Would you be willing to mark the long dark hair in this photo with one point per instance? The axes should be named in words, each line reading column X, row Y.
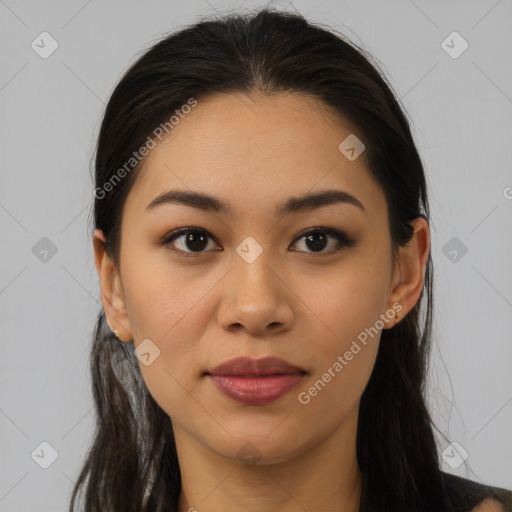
column 132, row 463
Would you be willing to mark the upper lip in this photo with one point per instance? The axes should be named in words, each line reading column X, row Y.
column 245, row 366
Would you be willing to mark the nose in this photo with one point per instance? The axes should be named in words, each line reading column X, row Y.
column 257, row 298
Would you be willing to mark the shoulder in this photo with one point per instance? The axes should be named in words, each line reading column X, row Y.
column 489, row 505
column 468, row 496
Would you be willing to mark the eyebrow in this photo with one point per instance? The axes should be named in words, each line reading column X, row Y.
column 307, row 202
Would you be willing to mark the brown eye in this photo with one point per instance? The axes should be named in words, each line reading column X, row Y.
column 318, row 239
column 190, row 240
column 194, row 241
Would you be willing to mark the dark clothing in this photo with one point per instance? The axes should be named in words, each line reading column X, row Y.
column 462, row 495
column 466, row 494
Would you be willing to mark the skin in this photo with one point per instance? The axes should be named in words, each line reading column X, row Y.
column 301, row 305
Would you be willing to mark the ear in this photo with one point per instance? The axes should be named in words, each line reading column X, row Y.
column 409, row 273
column 112, row 295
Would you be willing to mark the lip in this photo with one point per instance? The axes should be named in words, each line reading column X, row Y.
column 255, row 381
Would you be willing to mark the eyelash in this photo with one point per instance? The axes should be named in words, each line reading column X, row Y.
column 343, row 239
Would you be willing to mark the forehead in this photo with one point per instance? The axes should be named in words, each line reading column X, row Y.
column 253, row 151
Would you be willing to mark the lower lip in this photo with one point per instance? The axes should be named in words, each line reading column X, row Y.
column 256, row 390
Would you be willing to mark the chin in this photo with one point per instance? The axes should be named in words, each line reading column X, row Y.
column 255, row 449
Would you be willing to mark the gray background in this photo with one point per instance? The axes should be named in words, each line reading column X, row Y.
column 50, row 113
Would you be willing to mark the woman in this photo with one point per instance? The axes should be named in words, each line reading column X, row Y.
column 262, row 243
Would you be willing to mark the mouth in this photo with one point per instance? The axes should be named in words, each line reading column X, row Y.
column 255, row 381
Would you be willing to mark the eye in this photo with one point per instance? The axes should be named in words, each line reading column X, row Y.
column 317, row 239
column 192, row 241
column 189, row 238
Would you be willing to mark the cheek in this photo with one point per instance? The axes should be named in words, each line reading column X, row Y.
column 346, row 342
column 172, row 376
column 165, row 304
column 167, row 312
column 169, row 316
column 348, row 302
column 347, row 338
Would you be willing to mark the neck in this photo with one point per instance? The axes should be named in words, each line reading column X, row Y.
column 323, row 477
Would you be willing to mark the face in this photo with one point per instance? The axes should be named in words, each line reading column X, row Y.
column 303, row 285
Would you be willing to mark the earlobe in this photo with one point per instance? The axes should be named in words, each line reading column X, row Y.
column 112, row 296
